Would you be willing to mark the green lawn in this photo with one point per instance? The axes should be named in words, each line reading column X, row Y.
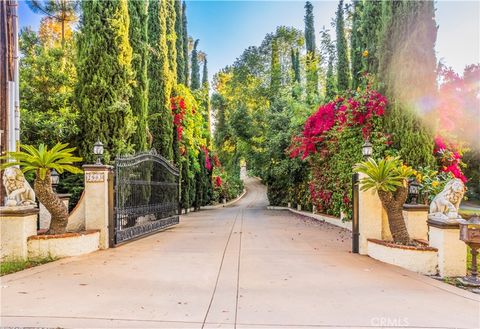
column 7, row 267
column 468, row 212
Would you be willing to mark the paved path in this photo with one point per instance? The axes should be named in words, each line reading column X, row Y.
column 237, row 267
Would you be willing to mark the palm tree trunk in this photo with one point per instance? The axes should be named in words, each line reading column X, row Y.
column 52, row 202
column 394, row 207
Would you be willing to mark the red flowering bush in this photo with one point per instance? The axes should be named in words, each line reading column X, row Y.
column 208, row 163
column 226, row 186
column 218, row 181
column 356, row 111
column 332, row 138
column 449, row 158
column 178, row 107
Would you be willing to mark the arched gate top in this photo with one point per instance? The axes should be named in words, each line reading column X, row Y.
column 152, row 155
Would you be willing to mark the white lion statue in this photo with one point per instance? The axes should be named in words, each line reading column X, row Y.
column 444, row 206
column 19, row 192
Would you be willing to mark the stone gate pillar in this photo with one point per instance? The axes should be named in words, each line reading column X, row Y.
column 98, row 198
column 452, row 252
column 370, row 211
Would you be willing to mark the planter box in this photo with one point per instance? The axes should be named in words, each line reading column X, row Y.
column 63, row 245
column 417, row 259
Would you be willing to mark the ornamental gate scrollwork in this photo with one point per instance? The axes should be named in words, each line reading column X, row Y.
column 146, row 195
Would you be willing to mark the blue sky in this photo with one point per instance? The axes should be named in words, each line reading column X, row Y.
column 226, row 28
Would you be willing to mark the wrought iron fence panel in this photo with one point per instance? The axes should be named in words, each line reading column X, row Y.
column 146, row 195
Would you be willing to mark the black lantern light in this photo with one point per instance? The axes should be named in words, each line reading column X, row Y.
column 54, row 180
column 367, row 149
column 98, row 151
column 413, row 191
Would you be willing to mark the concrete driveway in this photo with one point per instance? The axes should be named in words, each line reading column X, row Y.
column 237, row 267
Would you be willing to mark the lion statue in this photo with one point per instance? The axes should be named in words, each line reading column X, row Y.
column 19, row 192
column 444, row 206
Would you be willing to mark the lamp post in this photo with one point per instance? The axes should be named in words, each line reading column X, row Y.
column 367, row 149
column 470, row 234
column 98, row 151
column 413, row 190
column 54, row 180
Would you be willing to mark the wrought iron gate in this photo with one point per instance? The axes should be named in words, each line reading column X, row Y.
column 147, row 197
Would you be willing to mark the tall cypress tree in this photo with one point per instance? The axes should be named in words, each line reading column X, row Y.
column 185, row 182
column 410, row 136
column 330, row 89
column 295, row 59
column 171, row 38
column 139, row 42
column 410, row 58
column 206, row 96
column 356, row 44
column 275, row 70
column 160, row 81
column 195, row 77
column 407, row 58
column 179, row 43
column 309, row 28
column 343, row 75
column 311, row 59
column 371, row 26
column 221, row 128
column 186, row 70
column 205, row 73
column 328, row 50
column 385, row 43
column 105, row 78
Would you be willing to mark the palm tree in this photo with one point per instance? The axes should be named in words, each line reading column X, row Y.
column 42, row 161
column 388, row 177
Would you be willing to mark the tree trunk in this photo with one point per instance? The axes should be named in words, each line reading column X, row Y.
column 393, row 204
column 52, row 203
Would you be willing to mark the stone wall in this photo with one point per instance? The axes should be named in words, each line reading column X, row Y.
column 16, row 225
column 63, row 245
column 417, row 259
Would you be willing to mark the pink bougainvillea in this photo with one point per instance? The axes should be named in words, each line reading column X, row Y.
column 439, row 144
column 355, row 111
column 322, row 133
column 321, row 121
column 449, row 158
column 208, row 163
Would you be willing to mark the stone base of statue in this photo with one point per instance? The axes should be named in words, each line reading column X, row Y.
column 450, row 218
column 452, row 252
column 16, row 225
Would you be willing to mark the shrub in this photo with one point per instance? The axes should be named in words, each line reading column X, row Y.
column 332, row 140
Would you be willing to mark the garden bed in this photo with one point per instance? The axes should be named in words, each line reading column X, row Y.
column 63, row 245
column 420, row 258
